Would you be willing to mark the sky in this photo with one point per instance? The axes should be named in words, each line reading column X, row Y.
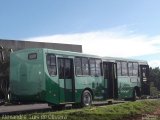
column 116, row 28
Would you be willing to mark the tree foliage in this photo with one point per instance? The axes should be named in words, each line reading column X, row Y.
column 4, row 72
column 155, row 77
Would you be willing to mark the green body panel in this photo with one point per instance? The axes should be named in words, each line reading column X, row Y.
column 98, row 88
column 65, row 88
column 126, row 85
column 52, row 89
column 95, row 84
column 81, row 82
column 61, row 91
column 78, row 94
column 27, row 78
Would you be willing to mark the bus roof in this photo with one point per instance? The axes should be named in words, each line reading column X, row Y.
column 113, row 59
column 58, row 52
column 71, row 53
column 61, row 52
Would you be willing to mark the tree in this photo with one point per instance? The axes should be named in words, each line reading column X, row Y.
column 4, row 72
column 155, row 77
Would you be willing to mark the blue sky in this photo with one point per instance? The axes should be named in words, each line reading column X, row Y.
column 121, row 28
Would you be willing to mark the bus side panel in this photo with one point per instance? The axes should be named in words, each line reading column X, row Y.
column 26, row 77
column 94, row 84
column 125, row 88
column 98, row 87
column 52, row 89
column 81, row 83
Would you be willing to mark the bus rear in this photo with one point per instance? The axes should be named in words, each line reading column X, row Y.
column 26, row 76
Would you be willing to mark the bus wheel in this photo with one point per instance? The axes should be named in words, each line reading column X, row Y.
column 86, row 99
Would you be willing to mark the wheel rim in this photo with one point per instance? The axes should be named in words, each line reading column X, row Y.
column 87, row 99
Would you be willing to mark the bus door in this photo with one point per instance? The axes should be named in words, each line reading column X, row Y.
column 144, row 76
column 110, row 80
column 66, row 79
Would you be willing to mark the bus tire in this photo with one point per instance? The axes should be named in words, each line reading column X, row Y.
column 86, row 99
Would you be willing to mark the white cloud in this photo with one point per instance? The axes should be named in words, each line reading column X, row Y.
column 154, row 63
column 115, row 43
column 106, row 43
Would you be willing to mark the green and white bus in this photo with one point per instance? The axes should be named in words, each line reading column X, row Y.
column 62, row 77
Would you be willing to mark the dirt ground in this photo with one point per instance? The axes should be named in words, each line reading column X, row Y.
column 149, row 116
column 157, row 112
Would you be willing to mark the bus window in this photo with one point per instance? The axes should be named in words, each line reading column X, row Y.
column 124, row 68
column 135, row 69
column 119, row 68
column 32, row 56
column 95, row 67
column 144, row 72
column 85, row 69
column 130, row 69
column 51, row 64
column 98, row 67
column 78, row 66
column 92, row 67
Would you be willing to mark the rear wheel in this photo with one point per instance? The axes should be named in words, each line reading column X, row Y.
column 86, row 99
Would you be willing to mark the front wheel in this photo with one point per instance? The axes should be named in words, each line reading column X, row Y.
column 86, row 99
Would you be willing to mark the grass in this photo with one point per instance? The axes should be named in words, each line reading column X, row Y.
column 110, row 112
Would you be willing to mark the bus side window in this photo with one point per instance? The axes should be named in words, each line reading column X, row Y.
column 95, row 67
column 92, row 67
column 51, row 64
column 144, row 72
column 78, row 66
column 85, row 69
column 119, row 68
column 130, row 69
column 124, row 68
column 98, row 67
column 135, row 69
column 81, row 66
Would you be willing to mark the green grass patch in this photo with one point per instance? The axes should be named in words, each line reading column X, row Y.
column 109, row 112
